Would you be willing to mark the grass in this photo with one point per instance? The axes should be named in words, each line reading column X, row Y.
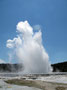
column 0, row 86
column 60, row 88
column 38, row 84
column 25, row 83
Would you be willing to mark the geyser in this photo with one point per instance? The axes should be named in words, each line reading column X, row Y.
column 29, row 50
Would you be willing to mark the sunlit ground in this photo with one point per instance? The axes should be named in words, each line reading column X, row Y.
column 15, row 81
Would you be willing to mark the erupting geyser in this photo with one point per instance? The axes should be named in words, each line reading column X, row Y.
column 29, row 50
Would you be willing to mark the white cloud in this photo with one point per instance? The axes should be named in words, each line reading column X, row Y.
column 2, row 61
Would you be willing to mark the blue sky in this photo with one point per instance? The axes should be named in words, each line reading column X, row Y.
column 50, row 14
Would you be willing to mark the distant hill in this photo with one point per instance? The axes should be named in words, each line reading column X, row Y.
column 61, row 67
column 10, row 67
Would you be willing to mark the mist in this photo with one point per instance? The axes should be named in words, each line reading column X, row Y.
column 28, row 49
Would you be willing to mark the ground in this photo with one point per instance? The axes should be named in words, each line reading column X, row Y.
column 33, row 82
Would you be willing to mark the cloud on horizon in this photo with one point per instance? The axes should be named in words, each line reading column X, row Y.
column 2, row 61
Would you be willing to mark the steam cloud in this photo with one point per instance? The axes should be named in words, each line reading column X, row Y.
column 29, row 50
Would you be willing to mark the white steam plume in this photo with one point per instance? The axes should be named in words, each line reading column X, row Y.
column 29, row 50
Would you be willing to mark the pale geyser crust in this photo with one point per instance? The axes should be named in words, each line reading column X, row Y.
column 29, row 50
